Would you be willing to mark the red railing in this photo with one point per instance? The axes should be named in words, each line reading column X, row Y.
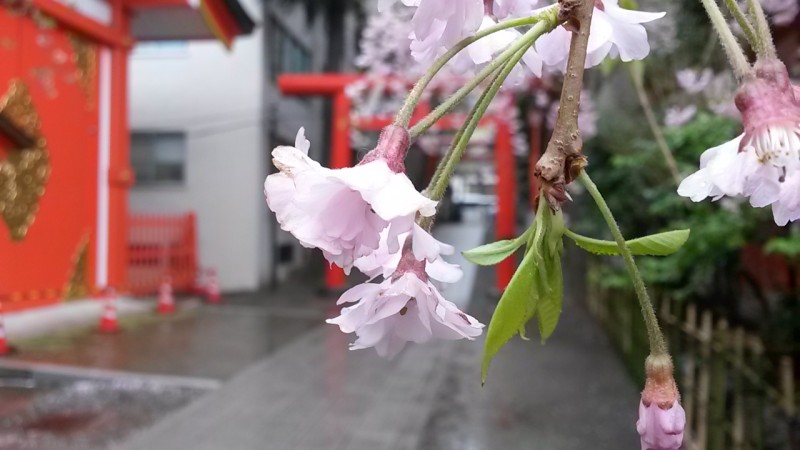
column 158, row 246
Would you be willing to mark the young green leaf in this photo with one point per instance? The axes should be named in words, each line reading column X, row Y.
column 549, row 310
column 661, row 244
column 493, row 253
column 516, row 305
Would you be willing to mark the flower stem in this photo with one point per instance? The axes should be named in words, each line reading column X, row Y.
column 657, row 344
column 548, row 20
column 658, row 133
column 403, row 117
column 744, row 22
column 447, row 166
column 736, row 57
column 765, row 47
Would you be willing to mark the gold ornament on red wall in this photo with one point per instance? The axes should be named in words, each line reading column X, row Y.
column 78, row 284
column 24, row 173
column 85, row 58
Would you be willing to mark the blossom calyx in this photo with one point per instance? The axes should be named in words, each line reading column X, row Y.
column 767, row 99
column 410, row 264
column 392, row 148
column 660, row 387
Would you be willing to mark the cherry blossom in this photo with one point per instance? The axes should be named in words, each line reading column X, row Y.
column 343, row 211
column 662, row 419
column 503, row 9
column 694, row 81
column 386, row 5
column 782, row 12
column 661, row 429
column 385, row 259
column 677, row 116
column 407, row 307
column 438, row 25
column 615, row 31
column 764, row 162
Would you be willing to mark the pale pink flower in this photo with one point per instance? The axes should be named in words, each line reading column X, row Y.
column 661, row 429
column 662, row 419
column 763, row 163
column 782, row 12
column 614, row 32
column 438, row 25
column 482, row 50
column 404, row 308
column 677, row 116
column 723, row 171
column 384, row 260
column 694, row 81
column 386, row 5
column 503, row 9
column 343, row 211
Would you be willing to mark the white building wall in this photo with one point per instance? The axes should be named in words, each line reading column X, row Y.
column 232, row 113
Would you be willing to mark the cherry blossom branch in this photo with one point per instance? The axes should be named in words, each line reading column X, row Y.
column 658, row 346
column 563, row 158
column 548, row 20
column 658, row 133
column 736, row 57
column 404, row 115
column 438, row 184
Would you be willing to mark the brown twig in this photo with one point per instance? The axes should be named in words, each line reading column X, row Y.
column 563, row 159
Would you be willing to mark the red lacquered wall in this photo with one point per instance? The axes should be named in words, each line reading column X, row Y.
column 63, row 85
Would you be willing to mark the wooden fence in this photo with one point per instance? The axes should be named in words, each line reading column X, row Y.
column 736, row 396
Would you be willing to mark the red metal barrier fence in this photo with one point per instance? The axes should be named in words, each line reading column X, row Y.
column 161, row 245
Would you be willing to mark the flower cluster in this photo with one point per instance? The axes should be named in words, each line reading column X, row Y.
column 764, row 162
column 615, row 31
column 437, row 26
column 364, row 217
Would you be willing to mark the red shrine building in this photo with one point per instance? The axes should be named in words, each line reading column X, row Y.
column 64, row 137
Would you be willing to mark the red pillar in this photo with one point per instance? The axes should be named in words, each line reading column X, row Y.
column 341, row 156
column 120, row 174
column 506, row 198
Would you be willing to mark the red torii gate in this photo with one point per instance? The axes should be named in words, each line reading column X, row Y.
column 333, row 85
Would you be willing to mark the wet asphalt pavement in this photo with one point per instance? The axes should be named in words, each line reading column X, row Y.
column 200, row 342
column 289, row 382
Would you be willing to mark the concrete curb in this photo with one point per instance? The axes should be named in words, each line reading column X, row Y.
column 74, row 314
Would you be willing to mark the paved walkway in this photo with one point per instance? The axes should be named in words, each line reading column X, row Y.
column 203, row 341
column 571, row 393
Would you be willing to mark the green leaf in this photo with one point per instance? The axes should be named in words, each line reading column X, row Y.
column 549, row 310
column 661, row 244
column 516, row 306
column 493, row 253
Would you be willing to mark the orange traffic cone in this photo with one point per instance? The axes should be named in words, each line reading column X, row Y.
column 212, row 287
column 166, row 303
column 4, row 348
column 108, row 321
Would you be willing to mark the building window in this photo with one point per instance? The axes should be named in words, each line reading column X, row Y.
column 158, row 158
column 286, row 53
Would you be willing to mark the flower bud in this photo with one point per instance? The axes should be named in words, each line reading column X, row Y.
column 662, row 420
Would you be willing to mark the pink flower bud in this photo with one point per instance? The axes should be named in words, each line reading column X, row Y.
column 662, row 420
